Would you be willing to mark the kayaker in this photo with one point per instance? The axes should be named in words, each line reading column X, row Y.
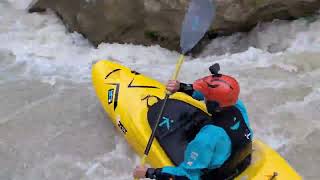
column 222, row 147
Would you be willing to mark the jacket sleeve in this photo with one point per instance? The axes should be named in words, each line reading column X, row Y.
column 209, row 149
column 159, row 175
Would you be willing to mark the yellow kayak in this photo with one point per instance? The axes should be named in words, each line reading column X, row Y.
column 127, row 95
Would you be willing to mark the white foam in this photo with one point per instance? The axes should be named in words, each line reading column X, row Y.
column 20, row 4
column 112, row 164
column 308, row 40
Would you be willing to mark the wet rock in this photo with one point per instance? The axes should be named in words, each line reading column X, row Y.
column 159, row 21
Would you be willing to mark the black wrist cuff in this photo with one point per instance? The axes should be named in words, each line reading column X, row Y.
column 185, row 87
column 152, row 173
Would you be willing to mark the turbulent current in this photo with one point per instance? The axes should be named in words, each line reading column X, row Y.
column 53, row 127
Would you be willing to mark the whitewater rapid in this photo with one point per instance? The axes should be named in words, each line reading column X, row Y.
column 52, row 125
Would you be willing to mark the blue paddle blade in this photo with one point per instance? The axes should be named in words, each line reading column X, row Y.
column 196, row 23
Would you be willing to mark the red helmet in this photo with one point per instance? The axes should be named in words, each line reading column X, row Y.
column 219, row 88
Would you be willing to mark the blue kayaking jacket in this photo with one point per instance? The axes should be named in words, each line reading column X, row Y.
column 209, row 149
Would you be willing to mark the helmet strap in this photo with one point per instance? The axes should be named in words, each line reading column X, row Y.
column 213, row 106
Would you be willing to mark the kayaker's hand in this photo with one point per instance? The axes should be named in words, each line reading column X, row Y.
column 140, row 172
column 173, row 86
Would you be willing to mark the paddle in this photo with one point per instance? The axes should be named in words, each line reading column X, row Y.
column 197, row 21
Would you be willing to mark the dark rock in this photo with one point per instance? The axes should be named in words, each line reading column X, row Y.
column 150, row 22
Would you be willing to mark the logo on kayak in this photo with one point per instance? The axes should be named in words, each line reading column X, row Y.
column 131, row 85
column 110, row 96
column 116, row 94
column 122, row 128
column 166, row 122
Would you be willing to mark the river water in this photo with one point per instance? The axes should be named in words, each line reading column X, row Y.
column 53, row 127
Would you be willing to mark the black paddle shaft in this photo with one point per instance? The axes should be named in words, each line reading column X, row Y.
column 163, row 107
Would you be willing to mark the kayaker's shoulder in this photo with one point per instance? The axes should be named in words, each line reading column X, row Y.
column 213, row 130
